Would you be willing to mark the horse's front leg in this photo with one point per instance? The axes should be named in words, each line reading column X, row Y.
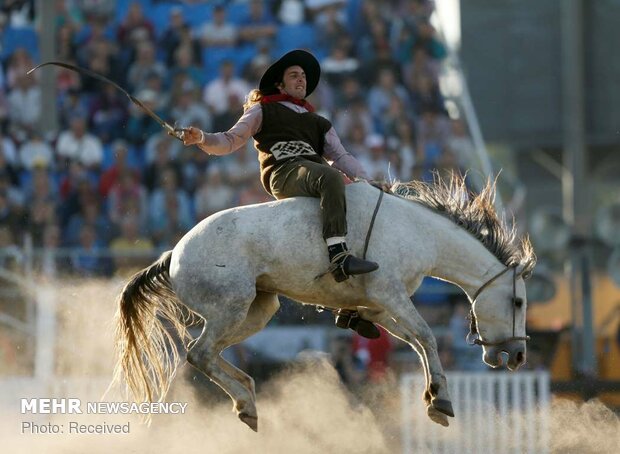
column 402, row 319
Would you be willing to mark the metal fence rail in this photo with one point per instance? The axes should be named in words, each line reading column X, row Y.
column 499, row 412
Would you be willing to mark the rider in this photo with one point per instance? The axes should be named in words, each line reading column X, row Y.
column 293, row 144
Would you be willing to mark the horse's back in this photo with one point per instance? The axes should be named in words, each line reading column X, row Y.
column 275, row 244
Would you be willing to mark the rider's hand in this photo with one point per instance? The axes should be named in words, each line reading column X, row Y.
column 192, row 136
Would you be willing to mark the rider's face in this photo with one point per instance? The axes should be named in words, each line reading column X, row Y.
column 294, row 82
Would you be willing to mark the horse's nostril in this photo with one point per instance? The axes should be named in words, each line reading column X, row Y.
column 519, row 357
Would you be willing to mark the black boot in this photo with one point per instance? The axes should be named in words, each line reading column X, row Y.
column 345, row 264
column 351, row 319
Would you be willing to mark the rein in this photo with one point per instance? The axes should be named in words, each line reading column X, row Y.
column 368, row 233
column 372, row 223
column 516, row 303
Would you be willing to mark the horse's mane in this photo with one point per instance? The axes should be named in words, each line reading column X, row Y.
column 474, row 212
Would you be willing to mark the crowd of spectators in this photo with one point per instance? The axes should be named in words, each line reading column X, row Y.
column 111, row 180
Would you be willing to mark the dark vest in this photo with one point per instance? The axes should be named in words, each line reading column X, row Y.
column 286, row 134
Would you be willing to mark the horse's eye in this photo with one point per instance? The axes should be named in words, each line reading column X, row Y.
column 518, row 302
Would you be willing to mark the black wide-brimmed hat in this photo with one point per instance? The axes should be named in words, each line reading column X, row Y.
column 298, row 57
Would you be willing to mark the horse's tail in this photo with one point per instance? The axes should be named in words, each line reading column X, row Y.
column 147, row 352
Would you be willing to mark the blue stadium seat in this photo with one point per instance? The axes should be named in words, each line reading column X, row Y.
column 212, row 57
column 237, row 12
column 291, row 37
column 24, row 37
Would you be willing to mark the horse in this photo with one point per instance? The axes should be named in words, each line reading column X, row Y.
column 228, row 271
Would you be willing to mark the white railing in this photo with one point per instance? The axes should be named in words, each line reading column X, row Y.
column 498, row 412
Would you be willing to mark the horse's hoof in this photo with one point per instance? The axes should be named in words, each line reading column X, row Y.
column 437, row 416
column 444, row 406
column 251, row 421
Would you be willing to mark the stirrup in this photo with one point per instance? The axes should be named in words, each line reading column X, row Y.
column 337, row 266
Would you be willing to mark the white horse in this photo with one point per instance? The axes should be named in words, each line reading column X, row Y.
column 230, row 268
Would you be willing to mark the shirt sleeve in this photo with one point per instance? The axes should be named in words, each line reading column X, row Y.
column 221, row 143
column 340, row 158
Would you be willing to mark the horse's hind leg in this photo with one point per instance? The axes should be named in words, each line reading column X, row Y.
column 224, row 317
column 264, row 306
column 223, row 330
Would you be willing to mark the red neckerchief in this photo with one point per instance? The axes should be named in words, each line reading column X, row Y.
column 286, row 97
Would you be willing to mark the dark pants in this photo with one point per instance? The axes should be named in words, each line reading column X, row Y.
column 299, row 177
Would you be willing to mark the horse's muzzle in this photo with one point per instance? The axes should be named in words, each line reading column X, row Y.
column 515, row 351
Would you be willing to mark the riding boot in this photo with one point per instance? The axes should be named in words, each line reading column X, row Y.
column 351, row 319
column 344, row 264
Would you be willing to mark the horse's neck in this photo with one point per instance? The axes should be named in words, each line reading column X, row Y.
column 462, row 259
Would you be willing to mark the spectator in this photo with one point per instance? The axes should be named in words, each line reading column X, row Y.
column 354, row 108
column 20, row 62
column 24, row 103
column 258, row 64
column 141, row 126
column 330, row 23
column 169, row 229
column 10, row 255
column 347, row 365
column 36, row 152
column 427, row 39
column 163, row 222
column 40, row 187
column 290, row 12
column 108, row 114
column 376, row 160
column 425, row 95
column 213, row 195
column 187, row 111
column 89, row 214
column 460, row 143
column 421, row 65
column 134, row 28
column 77, row 144
column 339, row 65
column 72, row 104
column 218, row 32
column 381, row 93
column 374, row 354
column 259, row 27
column 88, row 259
column 224, row 94
column 131, row 249
column 164, row 156
column 241, row 168
column 10, row 218
column 120, row 150
column 433, row 134
column 145, row 65
column 41, row 214
column 127, row 198
column 184, row 69
column 404, row 142
column 171, row 38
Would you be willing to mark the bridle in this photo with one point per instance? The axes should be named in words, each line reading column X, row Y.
column 516, row 303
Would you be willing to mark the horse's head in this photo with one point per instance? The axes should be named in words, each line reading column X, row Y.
column 498, row 318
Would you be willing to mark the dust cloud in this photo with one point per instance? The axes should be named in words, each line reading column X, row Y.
column 303, row 409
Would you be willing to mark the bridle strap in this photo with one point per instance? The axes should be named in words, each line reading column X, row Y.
column 473, row 326
column 490, row 281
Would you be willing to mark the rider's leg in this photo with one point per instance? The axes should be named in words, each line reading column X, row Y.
column 307, row 178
